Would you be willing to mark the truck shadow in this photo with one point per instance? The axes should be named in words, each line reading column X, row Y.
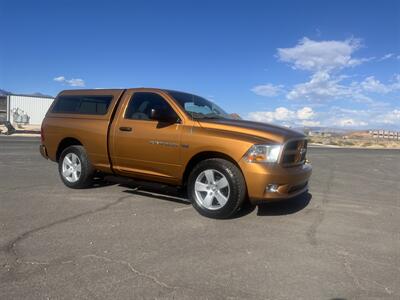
column 154, row 193
column 99, row 182
column 278, row 208
column 174, row 194
column 284, row 207
column 154, row 190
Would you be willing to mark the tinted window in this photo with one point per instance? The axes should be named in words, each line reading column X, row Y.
column 141, row 104
column 88, row 105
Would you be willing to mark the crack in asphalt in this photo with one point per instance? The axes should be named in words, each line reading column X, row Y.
column 356, row 279
column 10, row 248
column 312, row 231
column 349, row 271
column 132, row 268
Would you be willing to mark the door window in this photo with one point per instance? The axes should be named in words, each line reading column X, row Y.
column 141, row 104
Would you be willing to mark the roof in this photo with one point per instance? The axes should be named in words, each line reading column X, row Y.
column 122, row 89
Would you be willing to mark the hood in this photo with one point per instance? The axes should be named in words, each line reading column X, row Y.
column 274, row 133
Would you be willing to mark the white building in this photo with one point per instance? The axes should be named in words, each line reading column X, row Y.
column 385, row 134
column 26, row 109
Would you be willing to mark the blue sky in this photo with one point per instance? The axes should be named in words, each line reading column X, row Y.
column 313, row 63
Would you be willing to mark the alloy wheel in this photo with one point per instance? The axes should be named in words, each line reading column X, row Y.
column 212, row 189
column 71, row 167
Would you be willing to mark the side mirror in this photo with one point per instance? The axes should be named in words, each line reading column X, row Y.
column 161, row 116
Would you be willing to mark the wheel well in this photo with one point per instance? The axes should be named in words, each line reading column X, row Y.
column 202, row 156
column 65, row 143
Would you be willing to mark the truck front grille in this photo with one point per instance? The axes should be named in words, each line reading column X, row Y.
column 294, row 153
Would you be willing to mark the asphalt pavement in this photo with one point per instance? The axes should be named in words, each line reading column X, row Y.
column 124, row 240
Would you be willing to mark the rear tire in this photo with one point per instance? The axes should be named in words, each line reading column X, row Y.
column 216, row 188
column 74, row 167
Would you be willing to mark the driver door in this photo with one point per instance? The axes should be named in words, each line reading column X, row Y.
column 142, row 146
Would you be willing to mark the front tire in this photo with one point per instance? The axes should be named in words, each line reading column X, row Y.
column 216, row 188
column 74, row 167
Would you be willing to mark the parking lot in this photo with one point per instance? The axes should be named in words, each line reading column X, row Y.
column 129, row 241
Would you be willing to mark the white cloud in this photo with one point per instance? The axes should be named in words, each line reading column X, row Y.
column 326, row 61
column 267, row 90
column 285, row 116
column 279, row 114
column 350, row 123
column 324, row 87
column 378, row 117
column 321, row 55
column 320, row 87
column 59, row 79
column 370, row 84
column 76, row 82
column 305, row 113
column 396, row 82
column 392, row 117
column 386, row 56
column 382, row 117
column 344, row 117
column 308, row 123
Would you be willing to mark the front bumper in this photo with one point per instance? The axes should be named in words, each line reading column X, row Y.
column 290, row 181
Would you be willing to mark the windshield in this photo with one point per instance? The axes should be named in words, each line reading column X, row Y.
column 198, row 107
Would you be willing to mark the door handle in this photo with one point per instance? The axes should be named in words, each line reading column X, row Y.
column 125, row 128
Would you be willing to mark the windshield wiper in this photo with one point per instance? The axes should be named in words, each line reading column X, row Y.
column 207, row 116
column 200, row 116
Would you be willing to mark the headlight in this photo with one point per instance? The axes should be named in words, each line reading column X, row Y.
column 263, row 153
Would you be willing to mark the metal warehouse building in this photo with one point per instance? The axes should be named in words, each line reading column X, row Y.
column 24, row 109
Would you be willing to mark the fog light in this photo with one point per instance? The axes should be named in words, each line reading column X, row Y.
column 272, row 188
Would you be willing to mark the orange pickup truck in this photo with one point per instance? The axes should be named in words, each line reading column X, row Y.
column 175, row 138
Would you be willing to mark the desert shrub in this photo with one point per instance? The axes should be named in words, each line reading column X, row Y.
column 368, row 144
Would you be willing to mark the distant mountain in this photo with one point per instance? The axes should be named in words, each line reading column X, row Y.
column 40, row 94
column 329, row 129
column 4, row 92
column 332, row 130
